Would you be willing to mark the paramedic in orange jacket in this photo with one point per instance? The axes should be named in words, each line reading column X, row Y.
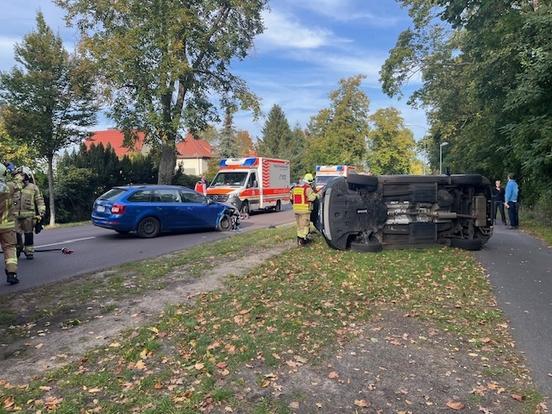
column 302, row 197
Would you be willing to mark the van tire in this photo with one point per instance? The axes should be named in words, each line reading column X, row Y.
column 148, row 228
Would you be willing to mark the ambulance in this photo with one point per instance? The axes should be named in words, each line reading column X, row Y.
column 252, row 183
column 324, row 173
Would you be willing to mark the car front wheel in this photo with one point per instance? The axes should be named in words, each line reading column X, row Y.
column 148, row 228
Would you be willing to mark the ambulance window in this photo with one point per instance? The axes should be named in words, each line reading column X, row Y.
column 252, row 183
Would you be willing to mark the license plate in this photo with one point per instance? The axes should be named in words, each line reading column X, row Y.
column 100, row 209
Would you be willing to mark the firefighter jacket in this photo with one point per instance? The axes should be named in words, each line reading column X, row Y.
column 7, row 192
column 28, row 201
column 302, row 197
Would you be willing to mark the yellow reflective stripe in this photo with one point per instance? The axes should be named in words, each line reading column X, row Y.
column 11, row 261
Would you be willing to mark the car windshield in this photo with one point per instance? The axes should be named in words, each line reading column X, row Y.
column 324, row 179
column 112, row 194
column 229, row 179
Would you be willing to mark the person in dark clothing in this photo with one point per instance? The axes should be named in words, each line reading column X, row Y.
column 498, row 201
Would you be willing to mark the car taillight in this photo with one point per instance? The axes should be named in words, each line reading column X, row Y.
column 117, row 209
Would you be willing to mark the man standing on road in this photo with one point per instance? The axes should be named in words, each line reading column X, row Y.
column 302, row 197
column 29, row 206
column 498, row 201
column 511, row 201
column 7, row 226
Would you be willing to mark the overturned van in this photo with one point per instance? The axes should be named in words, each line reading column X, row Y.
column 368, row 213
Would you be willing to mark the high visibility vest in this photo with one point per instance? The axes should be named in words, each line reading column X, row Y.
column 301, row 203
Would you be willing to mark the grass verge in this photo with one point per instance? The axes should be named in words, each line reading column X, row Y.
column 535, row 225
column 296, row 307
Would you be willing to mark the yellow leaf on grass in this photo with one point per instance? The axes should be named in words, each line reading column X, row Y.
column 199, row 366
column 140, row 365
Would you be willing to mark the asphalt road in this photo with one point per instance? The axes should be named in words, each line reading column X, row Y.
column 520, row 269
column 96, row 249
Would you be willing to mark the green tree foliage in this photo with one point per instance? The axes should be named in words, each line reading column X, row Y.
column 337, row 135
column 391, row 144
column 486, row 68
column 228, row 146
column 276, row 135
column 13, row 151
column 49, row 97
column 162, row 61
column 296, row 153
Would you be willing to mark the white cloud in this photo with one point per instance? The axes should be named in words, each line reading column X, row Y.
column 347, row 10
column 285, row 31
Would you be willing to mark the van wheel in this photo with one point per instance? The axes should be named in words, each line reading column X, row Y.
column 278, row 206
column 148, row 228
column 245, row 208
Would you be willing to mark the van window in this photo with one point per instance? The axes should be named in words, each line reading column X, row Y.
column 252, row 182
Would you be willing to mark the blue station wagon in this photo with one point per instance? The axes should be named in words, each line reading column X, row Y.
column 153, row 209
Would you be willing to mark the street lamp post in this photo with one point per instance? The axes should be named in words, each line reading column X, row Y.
column 443, row 144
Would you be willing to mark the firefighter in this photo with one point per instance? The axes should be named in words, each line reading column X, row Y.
column 29, row 207
column 7, row 226
column 302, row 197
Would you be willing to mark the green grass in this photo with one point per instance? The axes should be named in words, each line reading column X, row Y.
column 536, row 225
column 296, row 304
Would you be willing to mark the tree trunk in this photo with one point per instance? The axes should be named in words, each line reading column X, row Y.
column 167, row 162
column 51, row 189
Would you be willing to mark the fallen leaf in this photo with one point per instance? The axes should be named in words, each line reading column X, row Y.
column 362, row 403
column 199, row 366
column 8, row 403
column 294, row 405
column 518, row 397
column 140, row 365
column 333, row 375
column 44, row 388
column 222, row 365
column 455, row 405
column 114, row 345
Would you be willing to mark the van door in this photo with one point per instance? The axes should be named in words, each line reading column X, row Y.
column 252, row 191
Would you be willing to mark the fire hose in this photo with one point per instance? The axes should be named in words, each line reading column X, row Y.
column 63, row 250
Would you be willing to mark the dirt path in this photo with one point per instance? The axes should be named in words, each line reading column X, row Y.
column 32, row 357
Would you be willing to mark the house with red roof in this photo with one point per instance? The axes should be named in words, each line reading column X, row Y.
column 192, row 154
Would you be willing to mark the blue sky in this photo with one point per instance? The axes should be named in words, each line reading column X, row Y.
column 308, row 45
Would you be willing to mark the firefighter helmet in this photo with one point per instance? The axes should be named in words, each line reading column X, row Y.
column 308, row 178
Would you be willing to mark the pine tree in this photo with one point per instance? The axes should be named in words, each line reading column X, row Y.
column 276, row 135
column 228, row 144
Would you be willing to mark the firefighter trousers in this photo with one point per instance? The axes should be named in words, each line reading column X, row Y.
column 24, row 228
column 303, row 224
column 8, row 242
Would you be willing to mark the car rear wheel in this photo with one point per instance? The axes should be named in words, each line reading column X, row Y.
column 148, row 228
